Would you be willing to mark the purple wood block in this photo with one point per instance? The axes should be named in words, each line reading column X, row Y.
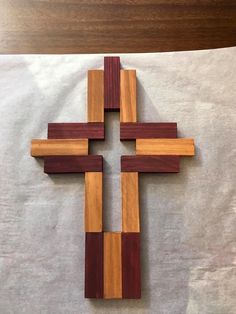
column 150, row 163
column 133, row 130
column 112, row 83
column 131, row 277
column 90, row 130
column 94, row 265
column 73, row 164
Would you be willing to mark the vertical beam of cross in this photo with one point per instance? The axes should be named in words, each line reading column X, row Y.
column 112, row 259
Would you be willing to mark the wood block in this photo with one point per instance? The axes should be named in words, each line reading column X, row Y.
column 179, row 146
column 90, row 130
column 73, row 164
column 94, row 265
column 131, row 278
column 130, row 202
column 41, row 148
column 128, row 110
column 93, row 201
column 112, row 265
column 131, row 131
column 150, row 163
column 95, row 99
column 112, row 83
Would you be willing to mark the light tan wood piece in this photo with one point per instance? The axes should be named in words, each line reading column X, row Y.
column 95, row 96
column 93, row 201
column 130, row 202
column 41, row 148
column 128, row 110
column 112, row 265
column 179, row 146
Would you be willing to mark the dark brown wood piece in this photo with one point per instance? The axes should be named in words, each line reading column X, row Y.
column 73, row 164
column 94, row 265
column 90, row 130
column 131, row 131
column 152, row 163
column 131, row 277
column 112, row 83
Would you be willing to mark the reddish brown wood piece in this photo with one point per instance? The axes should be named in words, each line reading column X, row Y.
column 131, row 277
column 131, row 131
column 90, row 130
column 112, row 83
column 73, row 164
column 94, row 265
column 150, row 163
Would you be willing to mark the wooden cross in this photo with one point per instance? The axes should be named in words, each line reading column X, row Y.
column 112, row 259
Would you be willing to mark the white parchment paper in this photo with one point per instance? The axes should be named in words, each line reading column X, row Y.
column 188, row 219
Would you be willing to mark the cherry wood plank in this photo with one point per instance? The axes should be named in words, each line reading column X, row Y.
column 73, row 164
column 131, row 131
column 95, row 96
column 90, row 130
column 131, row 277
column 128, row 104
column 150, row 163
column 65, row 147
column 112, row 265
column 112, row 83
column 94, row 265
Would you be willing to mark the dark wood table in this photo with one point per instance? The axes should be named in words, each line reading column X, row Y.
column 99, row 26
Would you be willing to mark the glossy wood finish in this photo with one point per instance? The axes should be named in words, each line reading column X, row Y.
column 91, row 130
column 95, row 96
column 112, row 83
column 131, row 131
column 41, row 148
column 112, row 265
column 151, row 164
column 128, row 106
column 93, row 201
column 131, row 277
column 95, row 26
column 180, row 146
column 73, row 164
column 94, row 265
column 130, row 202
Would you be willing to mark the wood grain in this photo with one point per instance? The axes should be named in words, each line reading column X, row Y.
column 112, row 265
column 73, row 164
column 94, row 26
column 151, row 164
column 93, row 201
column 130, row 202
column 131, row 268
column 128, row 106
column 94, row 265
column 112, row 83
column 180, row 146
column 131, row 131
column 41, row 148
column 95, row 101
column 90, row 130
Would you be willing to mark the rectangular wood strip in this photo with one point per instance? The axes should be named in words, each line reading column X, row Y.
column 94, row 265
column 73, row 164
column 112, row 83
column 41, row 148
column 112, row 265
column 131, row 277
column 90, row 130
column 95, row 98
column 180, row 146
column 131, row 131
column 93, row 201
column 128, row 110
column 130, row 202
column 150, row 163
